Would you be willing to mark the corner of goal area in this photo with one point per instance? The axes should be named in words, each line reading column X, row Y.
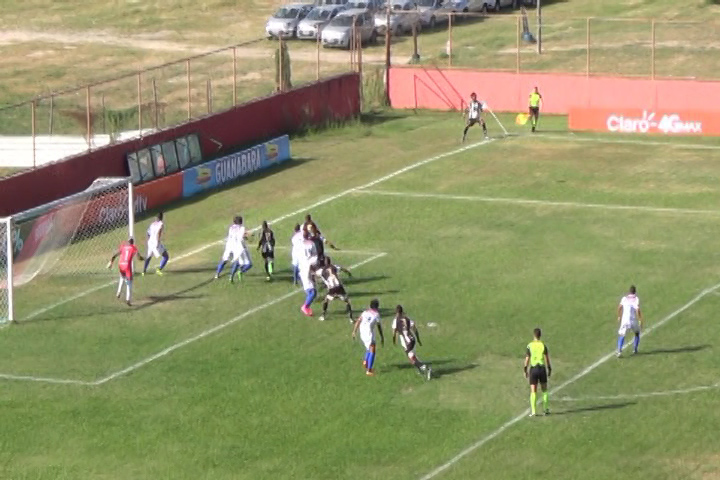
column 352, row 259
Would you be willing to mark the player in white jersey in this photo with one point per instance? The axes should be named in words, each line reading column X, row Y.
column 296, row 242
column 155, row 248
column 366, row 324
column 404, row 328
column 235, row 249
column 330, row 275
column 475, row 115
column 630, row 318
column 307, row 262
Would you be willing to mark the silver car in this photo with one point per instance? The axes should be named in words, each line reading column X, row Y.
column 403, row 16
column 284, row 22
column 433, row 12
column 365, row 5
column 310, row 27
column 339, row 32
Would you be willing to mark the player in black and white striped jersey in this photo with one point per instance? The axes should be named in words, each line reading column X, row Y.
column 330, row 275
column 406, row 329
column 475, row 115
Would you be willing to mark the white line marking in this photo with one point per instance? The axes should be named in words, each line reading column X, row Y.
column 547, row 203
column 576, row 138
column 174, row 347
column 212, row 330
column 30, row 378
column 570, row 381
column 279, row 219
column 630, row 396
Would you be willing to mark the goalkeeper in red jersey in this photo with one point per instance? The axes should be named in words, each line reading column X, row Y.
column 126, row 252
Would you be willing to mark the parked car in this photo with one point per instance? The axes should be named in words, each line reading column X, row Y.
column 285, row 20
column 320, row 3
column 432, row 12
column 471, row 6
column 313, row 24
column 403, row 15
column 499, row 4
column 365, row 5
column 339, row 32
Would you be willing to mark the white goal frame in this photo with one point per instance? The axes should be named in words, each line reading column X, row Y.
column 8, row 224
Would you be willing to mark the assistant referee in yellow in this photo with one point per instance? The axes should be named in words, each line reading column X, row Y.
column 537, row 369
column 534, row 103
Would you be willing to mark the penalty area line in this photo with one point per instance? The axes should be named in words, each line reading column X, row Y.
column 475, row 446
column 544, row 203
column 215, row 329
column 299, row 211
column 632, row 396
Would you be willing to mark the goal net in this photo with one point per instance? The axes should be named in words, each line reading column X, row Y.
column 60, row 249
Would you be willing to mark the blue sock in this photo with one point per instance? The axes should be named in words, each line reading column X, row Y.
column 310, row 296
column 245, row 268
column 221, row 265
column 147, row 262
column 234, row 270
column 164, row 260
column 621, row 341
column 636, row 341
column 371, row 360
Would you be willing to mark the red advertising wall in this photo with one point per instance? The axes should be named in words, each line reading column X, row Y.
column 446, row 89
column 332, row 99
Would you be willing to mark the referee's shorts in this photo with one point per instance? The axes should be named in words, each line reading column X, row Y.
column 538, row 374
column 534, row 111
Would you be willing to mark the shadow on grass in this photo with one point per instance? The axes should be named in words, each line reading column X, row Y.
column 407, row 365
column 358, row 280
column 153, row 300
column 686, row 349
column 595, row 408
column 451, row 370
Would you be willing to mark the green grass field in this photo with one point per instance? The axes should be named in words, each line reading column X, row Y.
column 203, row 379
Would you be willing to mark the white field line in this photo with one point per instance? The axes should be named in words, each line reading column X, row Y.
column 546, row 203
column 576, row 138
column 30, row 378
column 470, row 449
column 278, row 219
column 631, row 396
column 172, row 348
column 210, row 331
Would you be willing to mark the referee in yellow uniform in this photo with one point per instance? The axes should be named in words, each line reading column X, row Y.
column 534, row 103
column 537, row 359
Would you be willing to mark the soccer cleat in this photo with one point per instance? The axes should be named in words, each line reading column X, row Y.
column 547, row 411
column 216, row 277
column 306, row 310
column 128, row 303
column 322, row 318
column 159, row 272
column 532, row 415
column 428, row 372
column 268, row 278
column 142, row 274
column 352, row 322
column 370, row 373
column 618, row 354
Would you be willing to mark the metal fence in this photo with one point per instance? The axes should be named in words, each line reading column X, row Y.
column 72, row 121
column 76, row 120
column 589, row 46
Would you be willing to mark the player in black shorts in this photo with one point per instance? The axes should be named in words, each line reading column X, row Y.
column 330, row 275
column 267, row 248
column 474, row 116
column 537, row 369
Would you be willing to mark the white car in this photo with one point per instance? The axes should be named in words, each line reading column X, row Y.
column 313, row 24
column 284, row 22
column 497, row 5
column 433, row 12
column 339, row 32
column 402, row 18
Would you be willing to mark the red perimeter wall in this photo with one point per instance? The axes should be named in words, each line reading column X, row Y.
column 447, row 89
column 332, row 99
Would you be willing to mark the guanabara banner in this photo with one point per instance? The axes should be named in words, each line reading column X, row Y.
column 230, row 168
column 658, row 122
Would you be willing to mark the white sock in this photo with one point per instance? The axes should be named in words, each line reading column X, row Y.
column 120, row 285
column 128, row 290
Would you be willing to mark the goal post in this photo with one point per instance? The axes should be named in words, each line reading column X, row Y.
column 6, row 272
column 59, row 250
